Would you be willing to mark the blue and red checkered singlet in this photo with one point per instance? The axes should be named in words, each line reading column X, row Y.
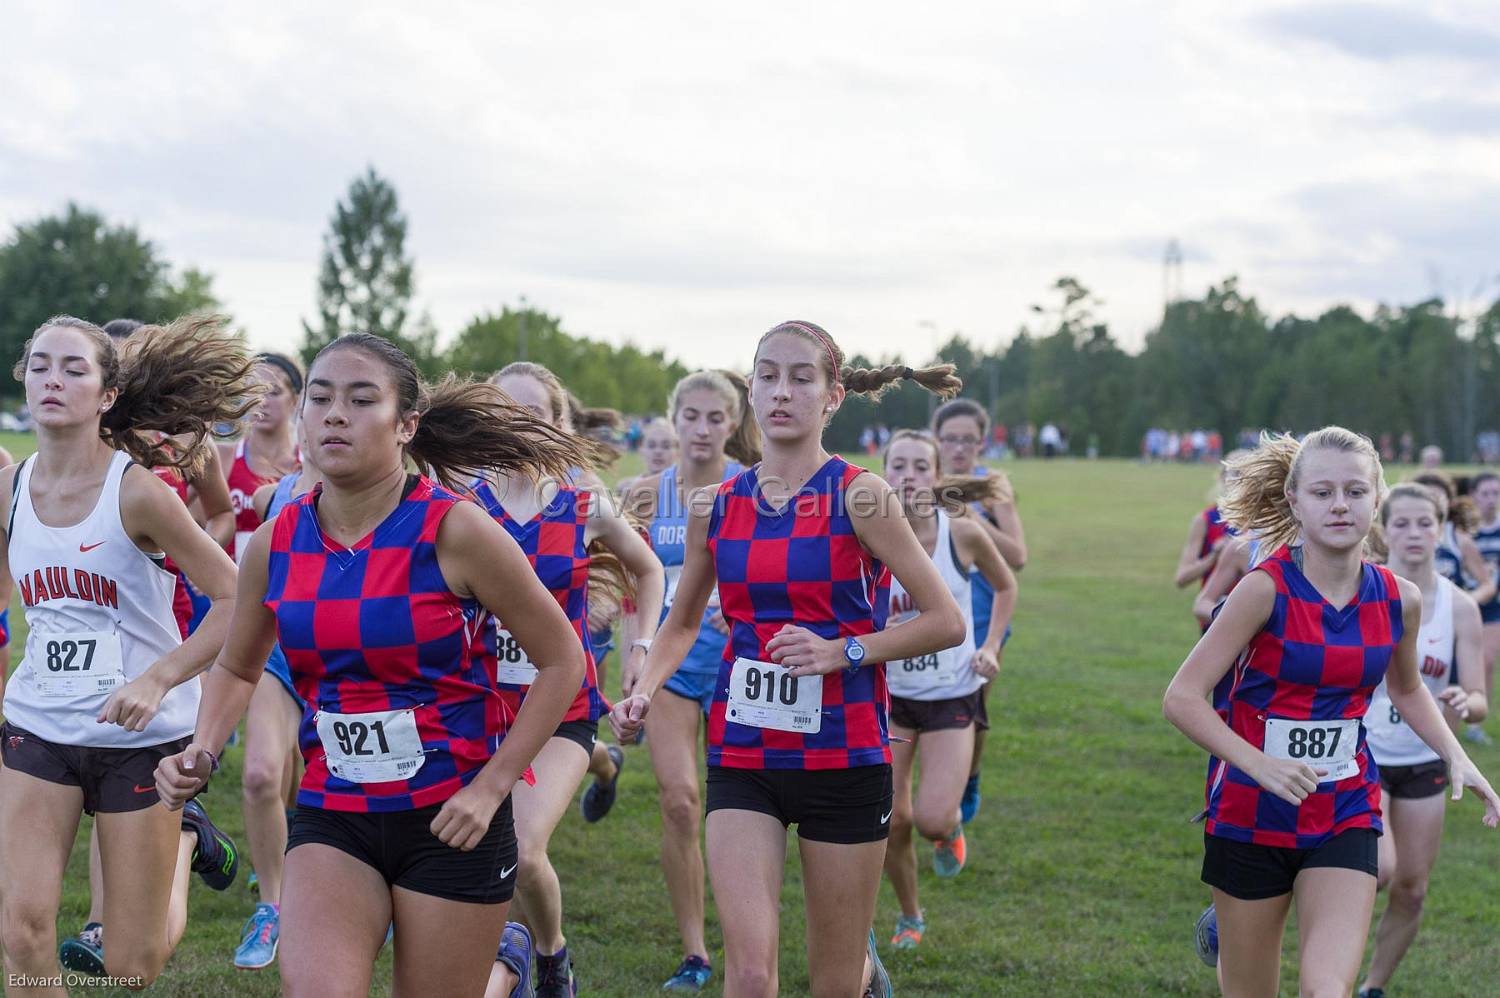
column 803, row 565
column 554, row 543
column 1311, row 662
column 1214, row 527
column 374, row 627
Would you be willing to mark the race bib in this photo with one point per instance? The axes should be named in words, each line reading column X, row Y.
column 1329, row 745
column 377, row 747
column 765, row 695
column 924, row 672
column 512, row 664
column 76, row 663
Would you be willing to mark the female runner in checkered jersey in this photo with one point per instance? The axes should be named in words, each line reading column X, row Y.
column 378, row 586
column 1294, row 794
column 798, row 546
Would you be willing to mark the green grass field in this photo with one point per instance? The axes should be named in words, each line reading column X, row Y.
column 1083, row 870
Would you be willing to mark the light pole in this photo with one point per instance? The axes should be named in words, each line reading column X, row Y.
column 521, row 347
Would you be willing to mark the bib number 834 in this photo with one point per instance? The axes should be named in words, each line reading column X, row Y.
column 762, row 685
column 62, row 656
column 354, row 736
column 1312, row 743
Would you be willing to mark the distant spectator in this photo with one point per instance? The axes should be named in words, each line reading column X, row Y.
column 1432, row 457
column 1408, row 448
column 1050, row 440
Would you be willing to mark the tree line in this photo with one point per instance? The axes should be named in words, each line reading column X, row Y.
column 1218, row 362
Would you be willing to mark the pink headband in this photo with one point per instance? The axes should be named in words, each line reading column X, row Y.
column 821, row 338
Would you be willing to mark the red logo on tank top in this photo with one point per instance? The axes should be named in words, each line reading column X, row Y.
column 902, row 603
column 58, row 583
column 1434, row 666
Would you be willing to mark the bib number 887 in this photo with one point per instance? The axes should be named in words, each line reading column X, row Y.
column 762, row 685
column 62, row 655
column 510, row 650
column 1312, row 743
column 353, row 737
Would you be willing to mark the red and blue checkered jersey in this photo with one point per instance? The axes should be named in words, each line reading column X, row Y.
column 1311, row 662
column 799, row 565
column 554, row 543
column 374, row 627
column 1214, row 528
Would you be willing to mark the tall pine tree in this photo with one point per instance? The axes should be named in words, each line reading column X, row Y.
column 365, row 284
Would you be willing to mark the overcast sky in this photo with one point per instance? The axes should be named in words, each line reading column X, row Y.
column 684, row 175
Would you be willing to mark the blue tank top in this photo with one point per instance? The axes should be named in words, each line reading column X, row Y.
column 282, row 495
column 983, row 592
column 669, row 540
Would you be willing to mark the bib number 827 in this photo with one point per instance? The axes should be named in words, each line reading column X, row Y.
column 354, row 737
column 761, row 685
column 62, row 656
column 1312, row 743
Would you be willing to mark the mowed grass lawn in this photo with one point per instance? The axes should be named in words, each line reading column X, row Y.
column 1083, row 869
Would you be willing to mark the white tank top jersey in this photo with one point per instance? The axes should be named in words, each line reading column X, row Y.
column 948, row 674
column 1391, row 739
column 99, row 614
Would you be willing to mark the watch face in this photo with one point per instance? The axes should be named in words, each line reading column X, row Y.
column 854, row 651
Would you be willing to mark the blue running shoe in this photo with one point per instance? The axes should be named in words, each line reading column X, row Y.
column 554, row 976
column 515, row 953
column 215, row 858
column 909, row 931
column 600, row 797
column 969, row 806
column 259, row 938
column 84, row 953
column 692, row 973
column 880, row 981
column 1206, row 938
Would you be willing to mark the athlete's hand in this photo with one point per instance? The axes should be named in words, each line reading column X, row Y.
column 1461, row 773
column 466, row 816
column 632, row 669
column 1292, row 781
column 628, row 717
column 1457, row 699
column 133, row 705
column 719, row 623
column 804, row 653
column 180, row 777
column 986, row 663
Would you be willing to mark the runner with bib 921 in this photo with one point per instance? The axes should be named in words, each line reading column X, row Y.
column 798, row 731
column 1294, row 792
column 378, row 585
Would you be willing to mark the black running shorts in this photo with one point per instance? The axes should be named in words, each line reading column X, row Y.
column 113, row 780
column 1252, row 872
column 400, row 846
column 827, row 805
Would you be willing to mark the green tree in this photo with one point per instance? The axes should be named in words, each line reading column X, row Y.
column 365, row 283
column 76, row 263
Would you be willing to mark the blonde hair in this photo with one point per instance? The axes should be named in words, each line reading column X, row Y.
column 743, row 444
column 1255, row 496
column 940, row 379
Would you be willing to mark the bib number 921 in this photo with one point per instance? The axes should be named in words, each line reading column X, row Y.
column 354, row 738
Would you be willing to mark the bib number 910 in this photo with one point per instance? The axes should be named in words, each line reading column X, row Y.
column 765, row 695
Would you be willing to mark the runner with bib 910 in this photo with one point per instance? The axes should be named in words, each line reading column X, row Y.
column 798, row 730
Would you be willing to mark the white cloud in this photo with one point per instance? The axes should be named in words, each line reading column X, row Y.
column 684, row 176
